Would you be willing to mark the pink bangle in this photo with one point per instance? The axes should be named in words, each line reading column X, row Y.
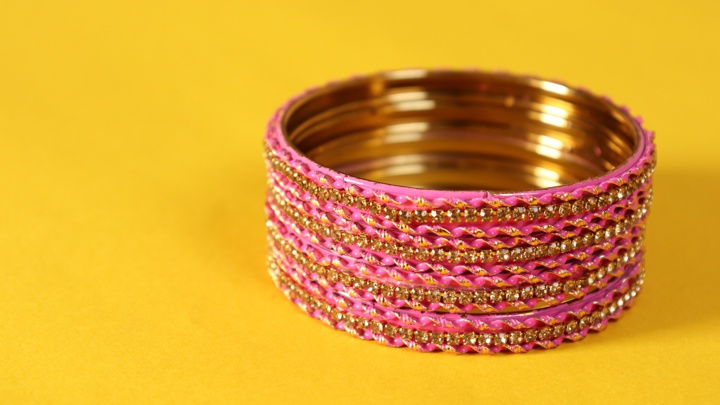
column 464, row 211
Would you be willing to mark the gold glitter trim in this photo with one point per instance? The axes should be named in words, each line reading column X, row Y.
column 452, row 254
column 350, row 198
column 382, row 331
column 452, row 300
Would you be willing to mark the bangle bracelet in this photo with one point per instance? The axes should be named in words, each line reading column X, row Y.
column 458, row 210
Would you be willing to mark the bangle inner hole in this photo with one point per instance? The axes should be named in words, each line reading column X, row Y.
column 460, row 131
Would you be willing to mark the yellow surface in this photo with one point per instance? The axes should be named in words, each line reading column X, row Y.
column 132, row 236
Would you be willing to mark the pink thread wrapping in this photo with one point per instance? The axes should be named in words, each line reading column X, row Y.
column 490, row 323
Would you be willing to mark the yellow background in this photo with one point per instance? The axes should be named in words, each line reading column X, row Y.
column 131, row 221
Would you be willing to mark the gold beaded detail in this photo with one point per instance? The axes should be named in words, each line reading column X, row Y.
column 518, row 340
column 342, row 215
column 466, row 214
column 468, row 256
column 454, row 300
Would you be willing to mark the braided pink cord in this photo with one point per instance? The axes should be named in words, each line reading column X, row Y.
column 459, row 233
column 459, row 271
column 362, row 293
column 365, row 260
column 487, row 348
column 492, row 323
column 396, row 275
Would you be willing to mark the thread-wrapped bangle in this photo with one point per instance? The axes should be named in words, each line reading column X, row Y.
column 465, row 211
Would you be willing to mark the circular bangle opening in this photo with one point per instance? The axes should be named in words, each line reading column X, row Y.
column 460, row 130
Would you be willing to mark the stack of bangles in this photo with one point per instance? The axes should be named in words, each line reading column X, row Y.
column 458, row 210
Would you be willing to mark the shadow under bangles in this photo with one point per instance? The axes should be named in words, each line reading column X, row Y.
column 458, row 210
